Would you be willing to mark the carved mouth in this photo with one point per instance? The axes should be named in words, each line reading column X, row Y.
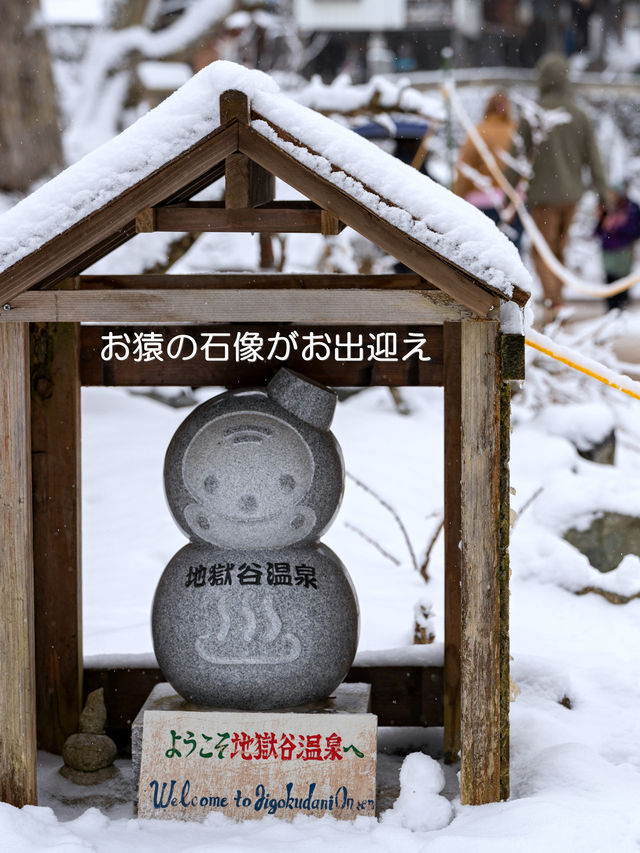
column 247, row 432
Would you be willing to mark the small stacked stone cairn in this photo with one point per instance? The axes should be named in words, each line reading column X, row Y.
column 89, row 755
column 255, row 613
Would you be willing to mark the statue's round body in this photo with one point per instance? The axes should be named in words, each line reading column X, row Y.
column 255, row 629
column 254, row 613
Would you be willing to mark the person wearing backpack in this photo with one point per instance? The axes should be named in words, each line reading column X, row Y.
column 557, row 163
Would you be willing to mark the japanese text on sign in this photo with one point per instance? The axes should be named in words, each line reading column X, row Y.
column 251, row 346
column 260, row 746
column 251, row 574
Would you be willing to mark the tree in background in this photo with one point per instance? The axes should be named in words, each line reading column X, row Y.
column 30, row 142
column 257, row 33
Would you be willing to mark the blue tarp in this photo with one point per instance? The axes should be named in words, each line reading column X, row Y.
column 404, row 129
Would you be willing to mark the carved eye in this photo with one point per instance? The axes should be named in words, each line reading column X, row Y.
column 210, row 484
column 203, row 522
column 287, row 483
column 297, row 521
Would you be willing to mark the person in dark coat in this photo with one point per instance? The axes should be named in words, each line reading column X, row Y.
column 557, row 169
column 618, row 229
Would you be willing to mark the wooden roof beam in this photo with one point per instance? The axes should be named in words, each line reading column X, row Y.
column 342, row 307
column 254, row 281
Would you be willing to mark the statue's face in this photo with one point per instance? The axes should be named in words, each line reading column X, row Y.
column 248, row 473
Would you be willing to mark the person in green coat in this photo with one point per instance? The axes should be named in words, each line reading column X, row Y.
column 558, row 162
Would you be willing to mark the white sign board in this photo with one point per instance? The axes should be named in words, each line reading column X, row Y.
column 248, row 765
column 369, row 15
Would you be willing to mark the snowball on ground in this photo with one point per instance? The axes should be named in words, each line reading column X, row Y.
column 419, row 806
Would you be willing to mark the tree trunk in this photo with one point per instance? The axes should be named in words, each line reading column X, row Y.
column 30, row 144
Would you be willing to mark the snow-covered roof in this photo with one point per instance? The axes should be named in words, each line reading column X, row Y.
column 396, row 193
column 341, row 96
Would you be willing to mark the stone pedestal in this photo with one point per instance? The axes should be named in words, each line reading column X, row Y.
column 320, row 759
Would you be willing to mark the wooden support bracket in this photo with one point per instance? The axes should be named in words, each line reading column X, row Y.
column 146, row 221
column 330, row 225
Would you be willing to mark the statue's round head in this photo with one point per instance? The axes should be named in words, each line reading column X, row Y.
column 257, row 467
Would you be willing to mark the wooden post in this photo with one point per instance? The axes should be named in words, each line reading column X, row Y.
column 17, row 691
column 55, row 427
column 505, row 528
column 452, row 534
column 480, row 563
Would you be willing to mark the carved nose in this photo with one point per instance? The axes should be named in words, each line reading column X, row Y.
column 248, row 504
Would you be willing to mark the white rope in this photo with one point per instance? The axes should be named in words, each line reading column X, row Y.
column 586, row 288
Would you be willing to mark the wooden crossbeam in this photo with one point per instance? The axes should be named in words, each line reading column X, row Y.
column 254, row 281
column 400, row 695
column 269, row 218
column 342, row 307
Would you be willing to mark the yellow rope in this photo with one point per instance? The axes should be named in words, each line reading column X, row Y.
column 576, row 366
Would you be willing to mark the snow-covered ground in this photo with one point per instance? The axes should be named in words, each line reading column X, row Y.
column 575, row 754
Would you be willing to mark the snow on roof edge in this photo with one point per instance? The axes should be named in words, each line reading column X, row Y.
column 419, row 206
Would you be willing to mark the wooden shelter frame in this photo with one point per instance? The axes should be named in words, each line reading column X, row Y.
column 47, row 355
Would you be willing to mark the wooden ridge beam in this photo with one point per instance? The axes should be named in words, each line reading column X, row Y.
column 342, row 307
column 254, row 281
